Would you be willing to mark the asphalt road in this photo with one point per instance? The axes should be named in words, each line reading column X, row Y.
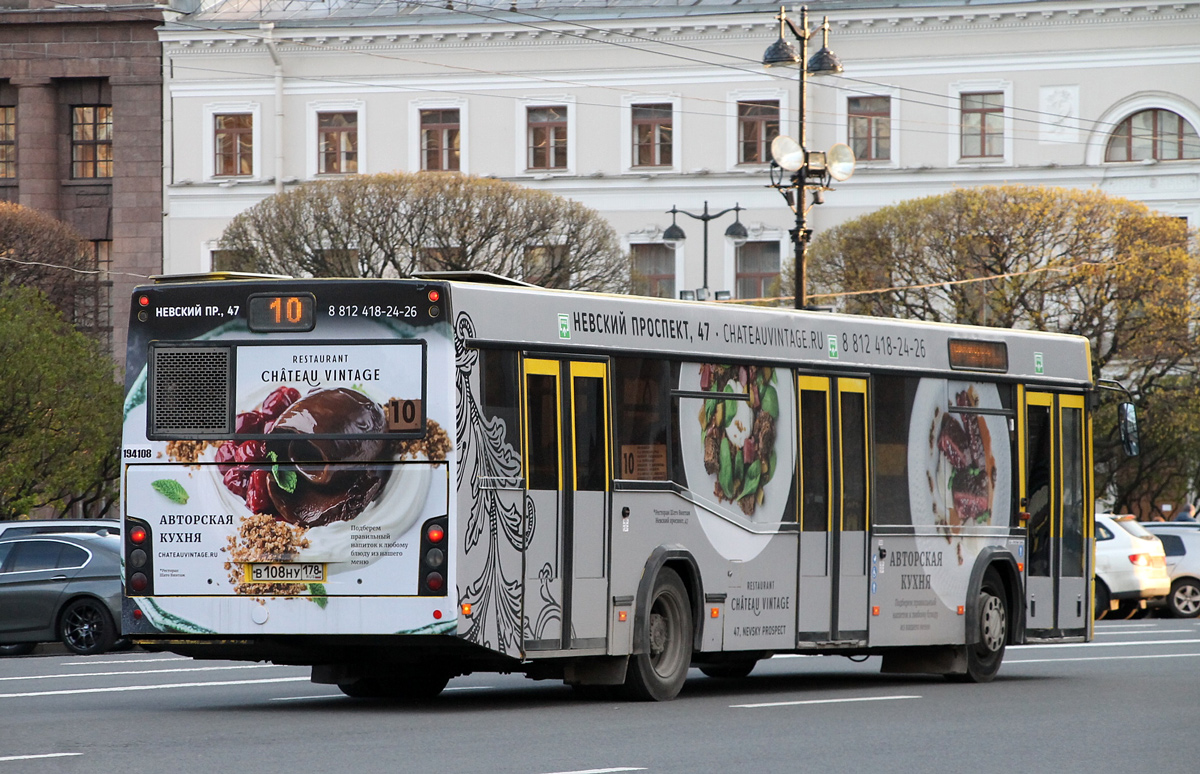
column 1130, row 701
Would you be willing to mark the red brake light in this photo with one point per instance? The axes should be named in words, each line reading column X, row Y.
column 138, row 582
column 144, row 300
column 138, row 535
column 434, row 581
column 436, row 534
column 434, row 295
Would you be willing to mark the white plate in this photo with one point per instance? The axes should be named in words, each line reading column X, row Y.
column 702, row 483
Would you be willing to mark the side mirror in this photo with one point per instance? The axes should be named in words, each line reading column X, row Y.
column 1127, row 423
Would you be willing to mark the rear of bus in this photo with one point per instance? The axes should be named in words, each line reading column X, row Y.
column 287, row 466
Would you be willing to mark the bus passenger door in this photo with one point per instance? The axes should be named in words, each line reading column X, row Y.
column 567, row 464
column 1054, row 493
column 833, row 538
column 852, row 597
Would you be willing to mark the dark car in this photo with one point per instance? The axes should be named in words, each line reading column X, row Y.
column 60, row 588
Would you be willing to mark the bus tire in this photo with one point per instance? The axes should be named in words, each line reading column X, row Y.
column 407, row 685
column 658, row 673
column 984, row 656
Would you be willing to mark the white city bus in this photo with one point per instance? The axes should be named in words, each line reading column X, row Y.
column 400, row 481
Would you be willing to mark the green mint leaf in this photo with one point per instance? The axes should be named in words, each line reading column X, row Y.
column 171, row 489
column 285, row 479
column 318, row 595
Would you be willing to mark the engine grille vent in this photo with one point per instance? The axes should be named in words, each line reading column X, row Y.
column 190, row 391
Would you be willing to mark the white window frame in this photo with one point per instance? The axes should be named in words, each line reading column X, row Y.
column 208, row 141
column 843, row 123
column 522, row 134
column 1097, row 142
column 758, row 233
column 628, row 103
column 414, row 130
column 731, row 124
column 310, row 134
column 957, row 90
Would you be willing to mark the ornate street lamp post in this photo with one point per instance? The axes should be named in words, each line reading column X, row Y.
column 674, row 235
column 811, row 170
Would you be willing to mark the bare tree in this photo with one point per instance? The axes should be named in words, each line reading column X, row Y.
column 1049, row 259
column 398, row 224
column 38, row 251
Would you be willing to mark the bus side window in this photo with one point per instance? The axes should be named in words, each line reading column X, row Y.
column 500, row 390
column 644, row 421
column 814, row 460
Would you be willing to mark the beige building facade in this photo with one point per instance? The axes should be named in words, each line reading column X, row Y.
column 633, row 109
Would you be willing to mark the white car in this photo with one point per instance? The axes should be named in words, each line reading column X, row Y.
column 59, row 527
column 1131, row 565
column 1181, row 541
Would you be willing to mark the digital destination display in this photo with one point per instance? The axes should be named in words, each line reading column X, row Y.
column 270, row 313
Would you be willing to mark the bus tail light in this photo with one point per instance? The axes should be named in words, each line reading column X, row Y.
column 139, row 559
column 434, row 558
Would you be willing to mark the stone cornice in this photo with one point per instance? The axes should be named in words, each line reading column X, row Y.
column 400, row 33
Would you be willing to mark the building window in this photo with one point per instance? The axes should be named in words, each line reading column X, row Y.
column 758, row 124
column 1153, row 134
column 8, row 142
column 233, row 136
column 652, row 136
column 547, row 136
column 653, row 270
column 758, row 270
column 546, row 265
column 870, row 122
column 337, row 143
column 983, row 125
column 440, row 140
column 91, row 141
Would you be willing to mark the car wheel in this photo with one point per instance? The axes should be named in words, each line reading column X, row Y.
column 659, row 673
column 86, row 627
column 1102, row 601
column 1184, row 600
column 17, row 649
column 984, row 656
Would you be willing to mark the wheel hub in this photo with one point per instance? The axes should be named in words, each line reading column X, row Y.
column 658, row 634
column 992, row 626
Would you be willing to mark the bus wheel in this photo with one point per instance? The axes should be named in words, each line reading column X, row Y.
column 408, row 685
column 984, row 656
column 658, row 674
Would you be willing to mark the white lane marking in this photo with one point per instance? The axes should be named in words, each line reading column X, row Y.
column 824, row 701
column 1146, row 631
column 1099, row 658
column 1102, row 644
column 36, row 757
column 310, row 698
column 127, row 661
column 119, row 688
column 599, row 771
column 139, row 672
column 469, row 688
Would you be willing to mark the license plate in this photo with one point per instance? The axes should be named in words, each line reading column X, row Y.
column 300, row 572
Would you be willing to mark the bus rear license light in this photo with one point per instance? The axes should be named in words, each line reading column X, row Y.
column 436, row 534
column 434, row 581
column 466, row 608
column 138, row 582
column 138, row 535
